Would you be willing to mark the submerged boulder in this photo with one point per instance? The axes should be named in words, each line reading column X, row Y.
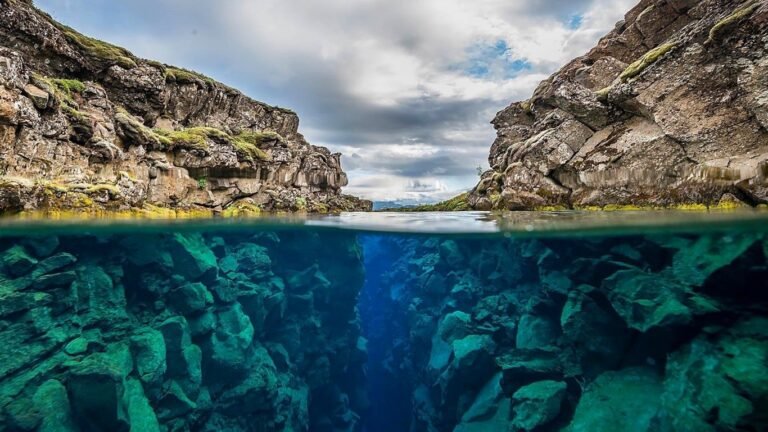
column 536, row 404
column 646, row 300
column 52, row 402
column 718, row 383
column 627, row 400
column 192, row 258
column 489, row 411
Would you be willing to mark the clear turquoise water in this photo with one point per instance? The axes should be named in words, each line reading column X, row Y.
column 380, row 322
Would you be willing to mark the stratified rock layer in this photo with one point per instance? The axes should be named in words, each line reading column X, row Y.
column 86, row 125
column 669, row 109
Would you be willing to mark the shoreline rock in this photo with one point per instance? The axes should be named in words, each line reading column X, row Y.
column 88, row 126
column 668, row 110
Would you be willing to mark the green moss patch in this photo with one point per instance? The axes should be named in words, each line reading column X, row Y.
column 739, row 14
column 62, row 89
column 245, row 144
column 185, row 76
column 99, row 49
column 646, row 60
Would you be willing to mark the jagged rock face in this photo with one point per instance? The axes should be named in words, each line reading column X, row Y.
column 84, row 125
column 669, row 109
column 235, row 331
column 641, row 333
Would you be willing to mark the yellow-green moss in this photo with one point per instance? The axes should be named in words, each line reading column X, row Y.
column 723, row 205
column 258, row 138
column 249, row 151
column 300, row 203
column 739, row 14
column 129, row 176
column 646, row 60
column 241, row 209
column 69, row 86
column 192, row 138
column 196, row 138
column 76, row 115
column 96, row 188
column 185, row 76
column 526, row 106
column 99, row 49
column 602, row 94
column 62, row 89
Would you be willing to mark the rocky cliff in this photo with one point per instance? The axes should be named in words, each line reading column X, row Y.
column 670, row 108
column 87, row 125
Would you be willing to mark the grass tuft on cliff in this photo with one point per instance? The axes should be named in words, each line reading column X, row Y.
column 185, row 76
column 99, row 49
column 457, row 203
column 646, row 60
column 739, row 14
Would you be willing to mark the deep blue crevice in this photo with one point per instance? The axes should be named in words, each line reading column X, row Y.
column 385, row 327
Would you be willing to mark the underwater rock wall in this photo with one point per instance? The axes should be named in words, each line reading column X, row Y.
column 228, row 331
column 643, row 333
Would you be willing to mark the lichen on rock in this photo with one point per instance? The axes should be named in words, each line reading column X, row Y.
column 83, row 110
column 667, row 129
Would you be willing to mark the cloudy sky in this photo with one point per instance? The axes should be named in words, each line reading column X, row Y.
column 405, row 89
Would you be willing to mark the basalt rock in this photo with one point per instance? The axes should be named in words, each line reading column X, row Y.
column 144, row 344
column 85, row 125
column 668, row 109
column 641, row 333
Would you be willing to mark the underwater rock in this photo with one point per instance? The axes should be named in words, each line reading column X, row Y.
column 52, row 402
column 697, row 260
column 536, row 404
column 535, row 331
column 96, row 386
column 455, row 325
column 718, row 384
column 228, row 347
column 192, row 258
column 628, row 400
column 489, row 411
column 139, row 413
column 149, row 351
column 646, row 300
column 17, row 261
column 183, row 358
column 191, row 297
column 596, row 333
column 137, row 345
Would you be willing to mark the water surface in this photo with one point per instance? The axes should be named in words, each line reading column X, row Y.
column 562, row 321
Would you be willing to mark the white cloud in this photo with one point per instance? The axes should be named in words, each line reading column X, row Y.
column 384, row 82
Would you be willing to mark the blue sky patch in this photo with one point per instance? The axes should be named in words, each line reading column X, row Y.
column 575, row 21
column 492, row 60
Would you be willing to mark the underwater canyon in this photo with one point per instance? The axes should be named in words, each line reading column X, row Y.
column 292, row 328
